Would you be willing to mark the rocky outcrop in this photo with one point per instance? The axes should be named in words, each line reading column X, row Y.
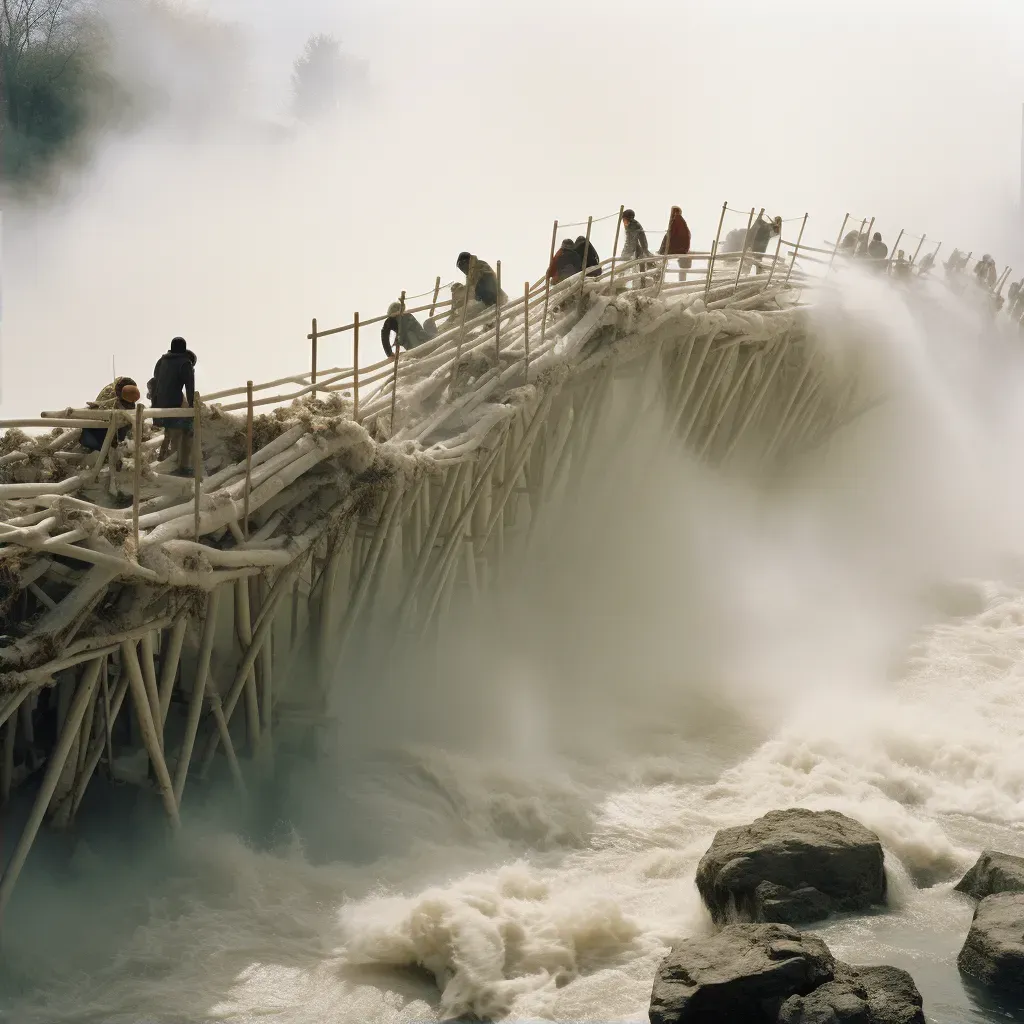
column 794, row 867
column 994, row 951
column 994, row 872
column 772, row 974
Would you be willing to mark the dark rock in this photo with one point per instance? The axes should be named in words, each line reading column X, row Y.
column 790, row 906
column 858, row 995
column 796, row 850
column 743, row 973
column 772, row 974
column 994, row 950
column 994, row 872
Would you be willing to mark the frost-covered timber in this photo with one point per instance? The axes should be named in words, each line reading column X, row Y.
column 341, row 518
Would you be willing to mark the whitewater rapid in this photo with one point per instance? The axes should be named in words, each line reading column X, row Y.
column 509, row 826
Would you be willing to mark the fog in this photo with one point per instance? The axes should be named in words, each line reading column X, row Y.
column 477, row 128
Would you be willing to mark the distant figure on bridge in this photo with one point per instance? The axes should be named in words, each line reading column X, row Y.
column 566, row 262
column 734, row 240
column 956, row 263
column 481, row 280
column 408, row 331
column 634, row 245
column 760, row 234
column 591, row 259
column 1016, row 299
column 174, row 374
column 877, row 249
column 849, row 244
column 122, row 393
column 901, row 269
column 677, row 242
column 985, row 271
column 926, row 264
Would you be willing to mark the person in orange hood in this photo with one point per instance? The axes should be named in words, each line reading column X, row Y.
column 677, row 241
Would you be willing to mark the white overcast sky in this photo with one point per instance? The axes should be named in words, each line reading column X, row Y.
column 486, row 122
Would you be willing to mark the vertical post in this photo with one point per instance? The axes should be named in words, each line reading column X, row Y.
column 871, row 227
column 248, row 458
column 796, row 251
column 312, row 338
column 355, row 365
column 746, row 242
column 775, row 261
column 197, row 457
column 497, row 317
column 913, row 259
column 398, row 349
column 615, row 246
column 526, row 327
column 547, row 284
column 137, row 486
column 586, row 253
column 714, row 249
column 895, row 246
column 462, row 329
column 437, row 289
column 835, row 249
column 665, row 256
column 711, row 264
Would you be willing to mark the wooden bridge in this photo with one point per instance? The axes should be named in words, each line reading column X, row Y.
column 151, row 620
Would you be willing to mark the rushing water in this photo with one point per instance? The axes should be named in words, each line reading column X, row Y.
column 508, row 825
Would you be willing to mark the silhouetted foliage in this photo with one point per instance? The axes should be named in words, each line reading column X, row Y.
column 319, row 77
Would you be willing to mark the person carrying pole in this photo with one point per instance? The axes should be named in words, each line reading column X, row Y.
column 121, row 393
column 408, row 331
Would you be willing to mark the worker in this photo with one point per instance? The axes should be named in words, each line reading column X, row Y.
column 121, row 393
column 566, row 262
column 877, row 249
column 408, row 331
column 481, row 280
column 588, row 256
column 677, row 241
column 634, row 246
column 985, row 271
column 173, row 387
column 760, row 234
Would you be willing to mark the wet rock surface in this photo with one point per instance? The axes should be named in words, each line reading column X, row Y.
column 993, row 953
column 792, row 866
column 994, row 872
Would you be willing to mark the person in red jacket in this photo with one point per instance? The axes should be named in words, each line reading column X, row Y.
column 677, row 241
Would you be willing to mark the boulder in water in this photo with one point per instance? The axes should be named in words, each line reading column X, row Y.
column 815, row 863
column 994, row 872
column 772, row 974
column 994, row 951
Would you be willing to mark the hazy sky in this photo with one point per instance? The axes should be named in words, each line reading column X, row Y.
column 484, row 123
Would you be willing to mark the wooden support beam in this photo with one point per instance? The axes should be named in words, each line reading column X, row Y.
column 54, row 768
column 150, row 738
column 243, row 624
column 172, row 656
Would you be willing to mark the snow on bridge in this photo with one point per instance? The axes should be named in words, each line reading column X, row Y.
column 359, row 493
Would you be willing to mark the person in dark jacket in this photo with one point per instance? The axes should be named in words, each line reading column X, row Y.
column 761, row 233
column 481, row 280
column 588, row 256
column 566, row 262
column 174, row 374
column 877, row 249
column 123, row 393
column 677, row 241
column 634, row 245
column 408, row 331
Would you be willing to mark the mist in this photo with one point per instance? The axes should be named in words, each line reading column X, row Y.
column 220, row 220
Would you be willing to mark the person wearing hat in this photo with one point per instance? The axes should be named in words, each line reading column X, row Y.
column 407, row 329
column 174, row 374
column 121, row 393
column 677, row 241
column 481, row 280
column 566, row 262
column 877, row 250
column 588, row 256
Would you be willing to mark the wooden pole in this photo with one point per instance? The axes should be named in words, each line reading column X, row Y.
column 497, row 317
column 355, row 365
column 796, row 251
column 775, row 261
column 665, row 256
column 586, row 253
column 197, row 458
column 54, row 769
column 714, row 249
column 547, row 285
column 462, row 329
column 312, row 338
column 913, row 259
column 615, row 246
column 248, row 458
column 398, row 349
column 746, row 242
column 243, row 627
column 195, row 707
column 137, row 485
column 433, row 301
column 892, row 253
column 526, row 327
column 169, row 669
column 839, row 241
